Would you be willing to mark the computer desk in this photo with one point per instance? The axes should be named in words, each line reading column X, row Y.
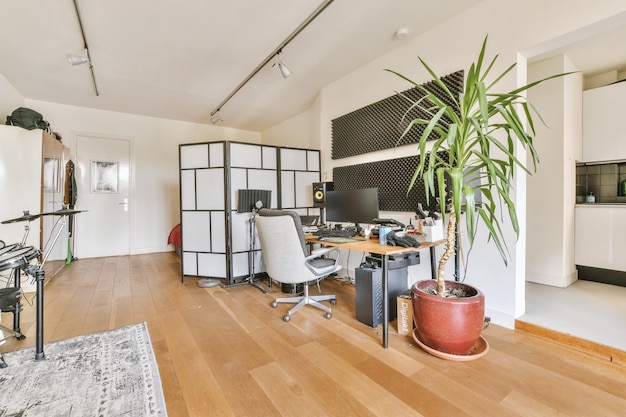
column 372, row 246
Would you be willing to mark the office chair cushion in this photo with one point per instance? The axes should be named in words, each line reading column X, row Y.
column 322, row 262
column 296, row 219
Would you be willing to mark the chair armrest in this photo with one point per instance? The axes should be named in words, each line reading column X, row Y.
column 318, row 253
column 326, row 269
column 314, row 251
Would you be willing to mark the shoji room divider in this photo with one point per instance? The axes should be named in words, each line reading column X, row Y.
column 216, row 238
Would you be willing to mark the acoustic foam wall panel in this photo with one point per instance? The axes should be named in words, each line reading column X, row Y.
column 380, row 125
column 392, row 178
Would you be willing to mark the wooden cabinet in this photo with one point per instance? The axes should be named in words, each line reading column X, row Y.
column 32, row 167
column 54, row 158
column 604, row 111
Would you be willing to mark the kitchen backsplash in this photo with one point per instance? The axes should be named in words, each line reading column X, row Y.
column 603, row 180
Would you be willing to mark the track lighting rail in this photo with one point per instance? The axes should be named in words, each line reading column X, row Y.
column 82, row 32
column 278, row 49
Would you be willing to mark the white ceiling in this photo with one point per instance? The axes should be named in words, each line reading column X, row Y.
column 179, row 59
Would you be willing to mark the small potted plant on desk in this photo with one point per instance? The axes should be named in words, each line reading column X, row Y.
column 474, row 137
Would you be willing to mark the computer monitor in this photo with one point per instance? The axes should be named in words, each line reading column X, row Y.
column 352, row 206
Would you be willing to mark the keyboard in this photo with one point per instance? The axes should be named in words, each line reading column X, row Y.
column 335, row 233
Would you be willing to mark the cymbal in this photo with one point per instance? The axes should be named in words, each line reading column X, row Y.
column 62, row 212
column 25, row 218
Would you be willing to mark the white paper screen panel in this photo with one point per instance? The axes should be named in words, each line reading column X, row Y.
column 259, row 179
column 240, row 223
column 188, row 189
column 196, row 231
column 288, row 180
column 304, row 188
column 218, row 231
column 216, row 155
column 313, row 160
column 190, row 263
column 269, row 158
column 238, row 181
column 240, row 265
column 246, row 156
column 210, row 189
column 194, row 156
column 212, row 265
column 293, row 159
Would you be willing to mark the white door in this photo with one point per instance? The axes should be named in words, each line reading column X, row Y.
column 102, row 176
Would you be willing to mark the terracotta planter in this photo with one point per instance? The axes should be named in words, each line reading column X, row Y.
column 449, row 325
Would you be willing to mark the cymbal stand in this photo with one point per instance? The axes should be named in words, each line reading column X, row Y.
column 250, row 279
column 40, row 275
column 62, row 222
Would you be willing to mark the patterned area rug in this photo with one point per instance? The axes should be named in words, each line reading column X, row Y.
column 112, row 373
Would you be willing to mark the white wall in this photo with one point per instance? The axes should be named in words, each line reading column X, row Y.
column 10, row 99
column 154, row 161
column 513, row 26
column 297, row 132
column 551, row 190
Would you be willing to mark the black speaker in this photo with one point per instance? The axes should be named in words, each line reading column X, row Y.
column 319, row 193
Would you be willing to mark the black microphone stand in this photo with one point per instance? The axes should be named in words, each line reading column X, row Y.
column 250, row 279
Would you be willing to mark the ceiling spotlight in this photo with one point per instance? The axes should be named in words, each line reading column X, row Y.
column 77, row 59
column 216, row 118
column 282, row 67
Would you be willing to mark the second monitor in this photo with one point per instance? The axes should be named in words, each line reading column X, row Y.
column 352, row 206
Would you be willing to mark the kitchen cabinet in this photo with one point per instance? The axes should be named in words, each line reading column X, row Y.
column 604, row 110
column 599, row 241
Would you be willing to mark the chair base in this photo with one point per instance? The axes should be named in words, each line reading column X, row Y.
column 312, row 300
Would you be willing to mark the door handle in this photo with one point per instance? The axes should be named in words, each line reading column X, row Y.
column 125, row 204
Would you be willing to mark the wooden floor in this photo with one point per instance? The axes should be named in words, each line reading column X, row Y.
column 226, row 352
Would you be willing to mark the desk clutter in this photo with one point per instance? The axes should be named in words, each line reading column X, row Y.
column 388, row 231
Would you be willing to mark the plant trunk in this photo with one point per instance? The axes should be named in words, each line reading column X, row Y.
column 450, row 241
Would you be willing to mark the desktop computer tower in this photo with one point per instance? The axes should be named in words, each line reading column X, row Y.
column 369, row 293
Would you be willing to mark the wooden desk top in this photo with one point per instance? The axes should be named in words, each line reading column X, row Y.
column 371, row 245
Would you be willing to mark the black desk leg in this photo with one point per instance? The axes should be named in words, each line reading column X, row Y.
column 433, row 263
column 385, row 301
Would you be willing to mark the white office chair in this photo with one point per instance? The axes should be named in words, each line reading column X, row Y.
column 287, row 261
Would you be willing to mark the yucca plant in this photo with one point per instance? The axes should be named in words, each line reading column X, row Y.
column 479, row 132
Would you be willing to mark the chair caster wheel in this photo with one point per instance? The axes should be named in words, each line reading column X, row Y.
column 333, row 302
column 287, row 318
column 274, row 304
column 20, row 337
column 328, row 315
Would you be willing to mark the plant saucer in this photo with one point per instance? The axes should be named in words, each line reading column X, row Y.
column 479, row 350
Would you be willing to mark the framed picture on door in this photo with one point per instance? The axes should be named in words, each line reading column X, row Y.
column 104, row 176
